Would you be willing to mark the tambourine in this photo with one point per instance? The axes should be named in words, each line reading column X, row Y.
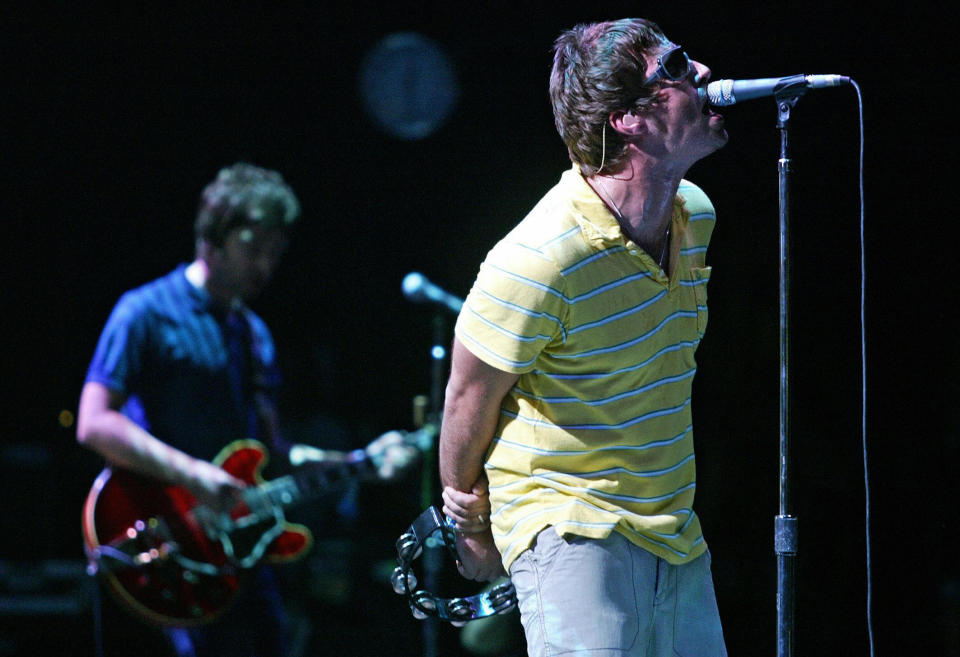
column 499, row 599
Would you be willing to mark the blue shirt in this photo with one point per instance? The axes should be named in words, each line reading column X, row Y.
column 169, row 351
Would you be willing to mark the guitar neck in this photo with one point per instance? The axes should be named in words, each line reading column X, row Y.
column 309, row 483
column 322, row 477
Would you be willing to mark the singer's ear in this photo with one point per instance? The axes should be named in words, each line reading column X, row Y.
column 627, row 124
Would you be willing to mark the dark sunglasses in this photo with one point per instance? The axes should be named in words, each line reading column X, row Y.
column 671, row 65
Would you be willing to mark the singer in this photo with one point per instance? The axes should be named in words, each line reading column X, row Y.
column 566, row 450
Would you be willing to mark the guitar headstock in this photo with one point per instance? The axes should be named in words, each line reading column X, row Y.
column 395, row 451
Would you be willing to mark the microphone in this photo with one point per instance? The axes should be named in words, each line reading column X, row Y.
column 417, row 288
column 730, row 92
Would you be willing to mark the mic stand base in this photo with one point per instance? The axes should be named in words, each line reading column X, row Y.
column 785, row 544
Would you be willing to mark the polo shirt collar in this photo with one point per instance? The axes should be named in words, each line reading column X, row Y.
column 597, row 222
column 198, row 298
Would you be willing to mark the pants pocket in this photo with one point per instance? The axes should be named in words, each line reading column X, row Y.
column 584, row 598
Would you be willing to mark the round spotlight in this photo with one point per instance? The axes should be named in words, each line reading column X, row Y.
column 408, row 85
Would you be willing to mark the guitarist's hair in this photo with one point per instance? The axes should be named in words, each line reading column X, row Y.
column 244, row 194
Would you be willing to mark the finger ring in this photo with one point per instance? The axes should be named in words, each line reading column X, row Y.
column 481, row 520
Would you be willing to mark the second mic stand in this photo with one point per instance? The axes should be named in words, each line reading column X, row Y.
column 432, row 552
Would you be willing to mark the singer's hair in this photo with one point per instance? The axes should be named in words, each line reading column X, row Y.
column 241, row 195
column 599, row 68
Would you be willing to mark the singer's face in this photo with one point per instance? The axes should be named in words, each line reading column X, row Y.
column 680, row 124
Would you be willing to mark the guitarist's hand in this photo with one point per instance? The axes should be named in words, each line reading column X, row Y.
column 391, row 455
column 214, row 487
column 479, row 558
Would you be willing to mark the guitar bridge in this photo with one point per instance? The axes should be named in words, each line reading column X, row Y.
column 143, row 544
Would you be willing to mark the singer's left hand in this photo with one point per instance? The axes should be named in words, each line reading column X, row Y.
column 470, row 511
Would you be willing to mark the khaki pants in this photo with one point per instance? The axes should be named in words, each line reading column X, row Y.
column 611, row 598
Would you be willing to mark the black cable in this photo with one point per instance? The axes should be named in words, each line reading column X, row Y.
column 96, row 608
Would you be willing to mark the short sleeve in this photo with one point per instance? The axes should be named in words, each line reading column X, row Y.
column 515, row 309
column 118, row 360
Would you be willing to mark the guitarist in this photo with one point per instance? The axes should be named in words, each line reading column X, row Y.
column 185, row 367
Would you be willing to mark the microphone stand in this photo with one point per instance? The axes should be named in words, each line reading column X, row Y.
column 420, row 290
column 432, row 554
column 785, row 524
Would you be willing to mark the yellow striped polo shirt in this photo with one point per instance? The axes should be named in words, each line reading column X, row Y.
column 596, row 435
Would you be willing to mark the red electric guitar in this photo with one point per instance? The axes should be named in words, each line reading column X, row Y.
column 174, row 562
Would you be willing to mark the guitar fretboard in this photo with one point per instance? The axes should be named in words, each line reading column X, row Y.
column 310, row 483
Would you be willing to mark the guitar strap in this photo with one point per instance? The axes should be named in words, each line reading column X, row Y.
column 263, row 423
column 240, row 364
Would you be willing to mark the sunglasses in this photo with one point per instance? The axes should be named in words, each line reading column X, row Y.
column 671, row 65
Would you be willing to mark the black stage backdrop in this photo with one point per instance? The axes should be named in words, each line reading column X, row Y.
column 117, row 118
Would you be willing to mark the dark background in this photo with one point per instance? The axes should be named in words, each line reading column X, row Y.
column 117, row 119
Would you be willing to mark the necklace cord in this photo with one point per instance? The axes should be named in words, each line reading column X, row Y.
column 616, row 209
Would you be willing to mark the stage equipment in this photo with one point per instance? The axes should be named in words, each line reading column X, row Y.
column 786, row 92
column 786, row 525
column 722, row 93
column 418, row 289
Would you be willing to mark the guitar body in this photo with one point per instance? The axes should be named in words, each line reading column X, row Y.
column 164, row 557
